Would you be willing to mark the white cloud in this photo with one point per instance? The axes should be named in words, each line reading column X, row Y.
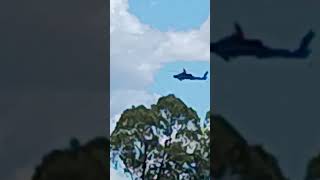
column 124, row 99
column 137, row 51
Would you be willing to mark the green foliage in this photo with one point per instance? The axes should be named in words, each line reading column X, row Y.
column 164, row 142
column 167, row 143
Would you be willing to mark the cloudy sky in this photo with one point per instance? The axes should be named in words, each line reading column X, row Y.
column 150, row 42
column 272, row 102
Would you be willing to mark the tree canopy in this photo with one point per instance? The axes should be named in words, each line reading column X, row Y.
column 163, row 142
column 167, row 142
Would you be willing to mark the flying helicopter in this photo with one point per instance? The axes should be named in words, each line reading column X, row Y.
column 185, row 76
column 237, row 45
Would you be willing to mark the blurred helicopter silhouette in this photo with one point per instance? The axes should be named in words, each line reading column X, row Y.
column 237, row 45
column 184, row 75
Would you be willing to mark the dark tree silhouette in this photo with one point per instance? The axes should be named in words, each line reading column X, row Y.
column 234, row 159
column 78, row 162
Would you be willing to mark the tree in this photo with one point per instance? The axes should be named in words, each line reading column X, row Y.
column 313, row 168
column 235, row 159
column 164, row 142
column 86, row 162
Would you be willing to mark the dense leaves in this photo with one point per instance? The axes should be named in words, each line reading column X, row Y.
column 164, row 142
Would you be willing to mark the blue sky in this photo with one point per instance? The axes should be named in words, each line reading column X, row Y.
column 171, row 14
column 194, row 93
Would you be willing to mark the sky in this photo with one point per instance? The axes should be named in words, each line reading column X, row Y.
column 274, row 103
column 195, row 94
column 170, row 15
column 150, row 42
